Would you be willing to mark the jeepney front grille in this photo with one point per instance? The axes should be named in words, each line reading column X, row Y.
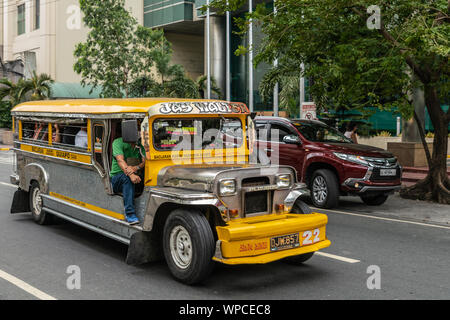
column 256, row 201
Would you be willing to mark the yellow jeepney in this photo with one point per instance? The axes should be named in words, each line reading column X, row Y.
column 201, row 200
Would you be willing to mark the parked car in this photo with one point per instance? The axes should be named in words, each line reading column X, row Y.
column 327, row 161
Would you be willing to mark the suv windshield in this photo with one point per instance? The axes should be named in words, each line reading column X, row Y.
column 205, row 133
column 318, row 132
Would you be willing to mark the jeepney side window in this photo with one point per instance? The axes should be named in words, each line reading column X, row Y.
column 98, row 135
column 70, row 134
column 35, row 131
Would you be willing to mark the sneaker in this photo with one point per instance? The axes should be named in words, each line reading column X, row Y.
column 132, row 219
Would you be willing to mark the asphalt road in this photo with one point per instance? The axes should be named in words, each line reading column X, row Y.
column 413, row 261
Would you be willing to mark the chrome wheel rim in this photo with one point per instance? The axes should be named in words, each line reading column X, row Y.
column 37, row 201
column 181, row 247
column 320, row 190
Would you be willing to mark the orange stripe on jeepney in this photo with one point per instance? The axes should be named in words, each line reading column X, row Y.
column 88, row 206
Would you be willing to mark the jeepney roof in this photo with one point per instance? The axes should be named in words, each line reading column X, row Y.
column 128, row 106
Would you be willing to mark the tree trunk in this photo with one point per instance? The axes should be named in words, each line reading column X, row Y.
column 436, row 186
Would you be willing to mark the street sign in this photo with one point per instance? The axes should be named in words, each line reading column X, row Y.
column 308, row 111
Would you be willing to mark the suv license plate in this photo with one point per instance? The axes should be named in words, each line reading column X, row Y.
column 284, row 242
column 388, row 172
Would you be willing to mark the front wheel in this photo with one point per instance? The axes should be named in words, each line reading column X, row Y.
column 298, row 260
column 39, row 215
column 189, row 246
column 376, row 200
column 324, row 189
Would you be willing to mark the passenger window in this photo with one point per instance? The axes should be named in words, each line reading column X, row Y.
column 261, row 131
column 36, row 131
column 99, row 132
column 278, row 132
column 70, row 134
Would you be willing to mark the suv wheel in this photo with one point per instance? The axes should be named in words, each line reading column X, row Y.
column 189, row 245
column 374, row 200
column 324, row 189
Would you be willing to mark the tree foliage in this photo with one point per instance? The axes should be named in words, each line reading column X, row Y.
column 356, row 60
column 126, row 59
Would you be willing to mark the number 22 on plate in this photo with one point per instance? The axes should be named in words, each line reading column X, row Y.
column 308, row 234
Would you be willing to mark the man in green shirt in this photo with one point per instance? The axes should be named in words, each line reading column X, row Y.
column 128, row 159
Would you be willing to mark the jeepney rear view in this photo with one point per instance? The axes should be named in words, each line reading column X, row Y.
column 203, row 199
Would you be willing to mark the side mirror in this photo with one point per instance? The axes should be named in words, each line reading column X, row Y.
column 130, row 132
column 292, row 139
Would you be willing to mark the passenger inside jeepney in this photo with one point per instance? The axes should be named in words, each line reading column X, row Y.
column 128, row 162
column 40, row 131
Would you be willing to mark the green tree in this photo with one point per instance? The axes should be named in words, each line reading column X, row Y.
column 39, row 86
column 107, row 58
column 358, row 59
column 202, row 86
column 125, row 59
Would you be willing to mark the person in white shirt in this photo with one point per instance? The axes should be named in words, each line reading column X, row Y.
column 351, row 132
column 81, row 138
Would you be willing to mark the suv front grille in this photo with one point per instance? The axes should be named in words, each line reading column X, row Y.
column 377, row 177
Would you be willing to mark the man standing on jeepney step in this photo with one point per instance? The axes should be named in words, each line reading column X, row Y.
column 128, row 159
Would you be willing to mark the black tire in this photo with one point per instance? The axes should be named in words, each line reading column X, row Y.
column 298, row 260
column 191, row 262
column 39, row 215
column 300, row 207
column 375, row 200
column 324, row 189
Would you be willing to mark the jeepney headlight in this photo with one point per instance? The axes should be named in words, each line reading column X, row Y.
column 283, row 180
column 227, row 187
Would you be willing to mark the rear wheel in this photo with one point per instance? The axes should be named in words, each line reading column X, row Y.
column 324, row 189
column 375, row 200
column 39, row 215
column 189, row 246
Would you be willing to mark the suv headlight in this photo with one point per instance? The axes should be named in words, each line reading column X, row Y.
column 283, row 181
column 352, row 158
column 227, row 187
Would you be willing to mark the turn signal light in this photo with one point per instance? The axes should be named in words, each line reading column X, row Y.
column 234, row 213
column 279, row 207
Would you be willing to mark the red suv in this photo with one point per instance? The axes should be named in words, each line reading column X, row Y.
column 327, row 161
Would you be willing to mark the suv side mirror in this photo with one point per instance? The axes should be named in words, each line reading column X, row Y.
column 292, row 139
column 130, row 132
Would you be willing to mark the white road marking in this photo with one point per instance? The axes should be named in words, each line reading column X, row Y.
column 25, row 286
column 382, row 218
column 333, row 256
column 8, row 184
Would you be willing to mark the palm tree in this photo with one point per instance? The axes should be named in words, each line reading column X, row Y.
column 40, row 86
column 15, row 92
column 201, row 84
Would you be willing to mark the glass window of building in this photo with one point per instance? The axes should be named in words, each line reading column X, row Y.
column 21, row 19
column 37, row 14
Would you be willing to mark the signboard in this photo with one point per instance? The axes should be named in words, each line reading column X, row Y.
column 308, row 111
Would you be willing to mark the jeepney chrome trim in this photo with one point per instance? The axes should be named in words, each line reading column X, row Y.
column 103, row 116
column 299, row 189
column 89, row 226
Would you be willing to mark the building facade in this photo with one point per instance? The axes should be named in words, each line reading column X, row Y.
column 43, row 34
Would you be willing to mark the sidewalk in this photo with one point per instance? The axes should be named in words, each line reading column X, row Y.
column 4, row 147
column 411, row 175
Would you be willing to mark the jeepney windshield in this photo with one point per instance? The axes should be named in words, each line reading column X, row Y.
column 197, row 134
